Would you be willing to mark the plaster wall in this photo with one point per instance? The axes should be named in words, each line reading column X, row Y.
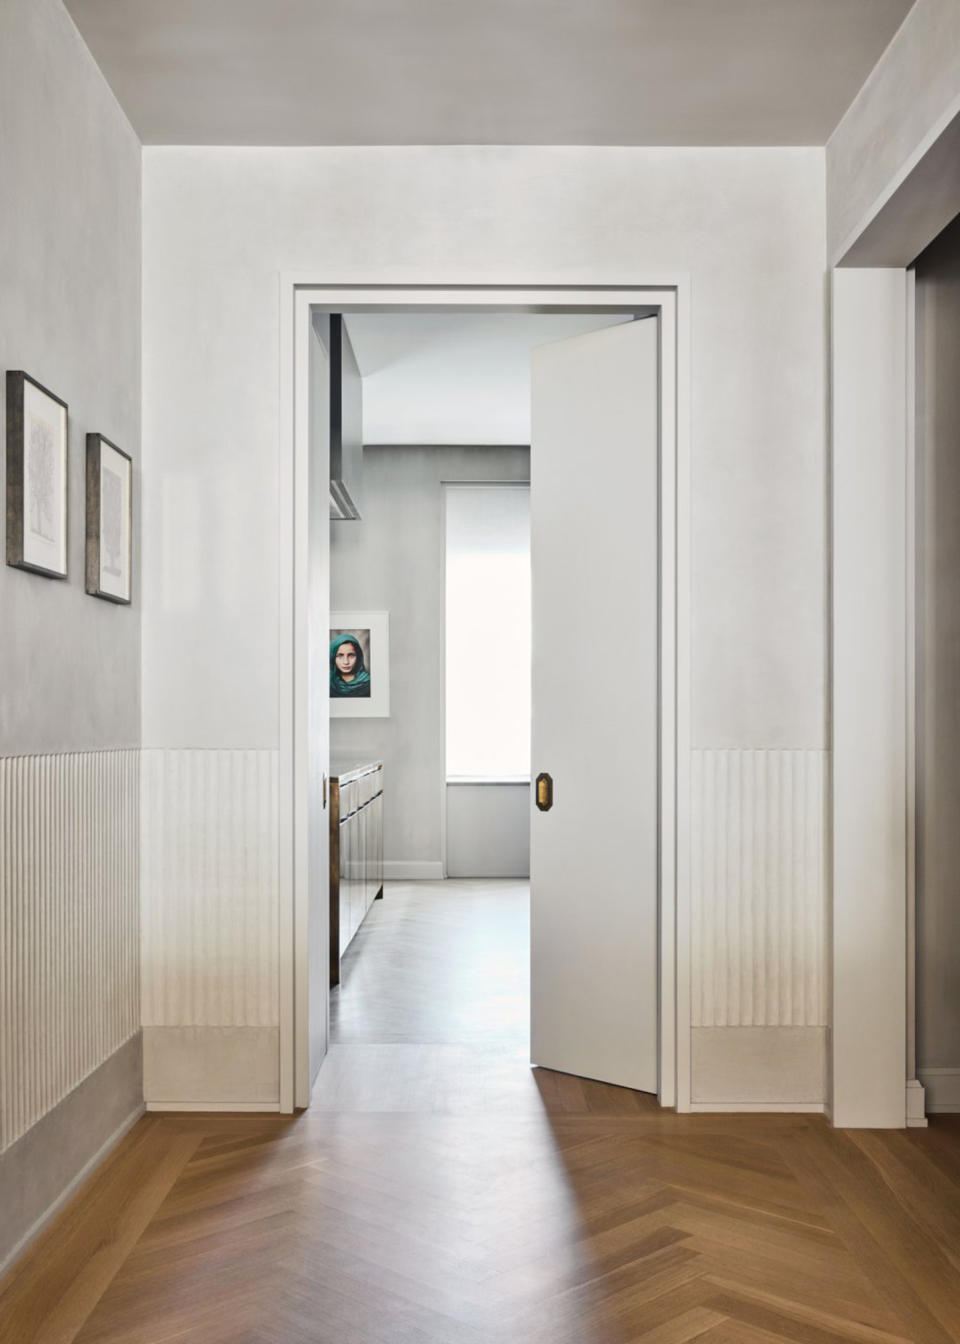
column 910, row 97
column 69, row 663
column 892, row 187
column 70, row 280
column 221, row 224
column 745, row 225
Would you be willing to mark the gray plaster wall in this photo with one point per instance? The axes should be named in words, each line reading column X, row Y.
column 912, row 91
column 70, row 266
column 393, row 560
column 488, row 830
column 70, row 317
column 938, row 683
column 50, row 1160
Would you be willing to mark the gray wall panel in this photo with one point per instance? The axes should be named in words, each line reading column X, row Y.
column 488, row 830
column 70, row 280
column 70, row 266
column 39, row 1167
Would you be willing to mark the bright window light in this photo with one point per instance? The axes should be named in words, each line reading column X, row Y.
column 488, row 631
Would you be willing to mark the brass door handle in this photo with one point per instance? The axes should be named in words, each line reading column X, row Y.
column 544, row 791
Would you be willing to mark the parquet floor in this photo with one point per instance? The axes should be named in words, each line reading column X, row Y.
column 439, row 1192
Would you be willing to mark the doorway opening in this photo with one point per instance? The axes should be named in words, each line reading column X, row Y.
column 933, row 690
column 313, row 565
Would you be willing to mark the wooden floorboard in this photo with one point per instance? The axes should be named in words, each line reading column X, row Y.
column 439, row 1191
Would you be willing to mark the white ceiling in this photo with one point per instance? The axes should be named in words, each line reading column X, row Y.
column 542, row 72
column 453, row 377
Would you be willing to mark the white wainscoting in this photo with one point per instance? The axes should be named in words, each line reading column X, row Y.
column 759, row 929
column 210, row 899
column 69, row 924
column 758, row 888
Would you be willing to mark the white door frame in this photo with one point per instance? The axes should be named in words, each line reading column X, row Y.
column 298, row 294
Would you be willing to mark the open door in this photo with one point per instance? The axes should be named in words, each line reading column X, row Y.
column 594, row 848
column 311, row 973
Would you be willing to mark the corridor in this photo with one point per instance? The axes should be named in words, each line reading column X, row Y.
column 438, row 1191
column 433, row 1012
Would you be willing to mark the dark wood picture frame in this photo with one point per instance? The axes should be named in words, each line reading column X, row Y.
column 16, row 552
column 94, row 529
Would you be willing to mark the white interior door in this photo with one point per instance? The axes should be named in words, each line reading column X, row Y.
column 312, row 968
column 595, row 557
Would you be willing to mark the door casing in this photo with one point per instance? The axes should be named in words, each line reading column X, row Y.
column 299, row 293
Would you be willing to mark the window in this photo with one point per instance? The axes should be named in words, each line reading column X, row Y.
column 488, row 631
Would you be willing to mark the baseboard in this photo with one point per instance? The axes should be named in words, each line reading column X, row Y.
column 217, row 1107
column 942, row 1088
column 767, row 1067
column 44, row 1166
column 916, row 1105
column 757, row 1108
column 230, row 1066
column 412, row 870
column 85, row 1172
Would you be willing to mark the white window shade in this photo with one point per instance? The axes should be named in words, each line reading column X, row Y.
column 488, row 631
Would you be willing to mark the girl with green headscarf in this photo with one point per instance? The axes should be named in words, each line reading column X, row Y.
column 348, row 676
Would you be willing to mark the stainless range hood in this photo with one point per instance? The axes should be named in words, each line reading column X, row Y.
column 346, row 422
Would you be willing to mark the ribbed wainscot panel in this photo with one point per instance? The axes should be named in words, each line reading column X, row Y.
column 69, row 924
column 209, row 885
column 758, row 892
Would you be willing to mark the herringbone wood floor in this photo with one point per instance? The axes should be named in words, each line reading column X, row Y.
column 438, row 1192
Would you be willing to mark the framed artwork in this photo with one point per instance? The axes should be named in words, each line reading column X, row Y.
column 36, row 477
column 109, row 516
column 359, row 664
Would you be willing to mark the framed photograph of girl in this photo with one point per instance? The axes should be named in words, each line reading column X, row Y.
column 359, row 664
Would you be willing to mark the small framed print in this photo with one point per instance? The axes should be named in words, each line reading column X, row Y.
column 36, row 477
column 359, row 664
column 109, row 506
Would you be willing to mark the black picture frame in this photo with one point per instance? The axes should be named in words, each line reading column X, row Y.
column 98, row 542
column 23, row 542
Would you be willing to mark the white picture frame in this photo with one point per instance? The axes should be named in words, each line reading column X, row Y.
column 369, row 633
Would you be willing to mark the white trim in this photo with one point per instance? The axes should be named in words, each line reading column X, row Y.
column 942, row 1090
column 413, row 870
column 67, row 1193
column 758, row 1107
column 868, row 1034
column 442, row 567
column 916, row 1105
column 287, row 874
column 676, row 1008
column 910, row 653
column 218, row 1107
column 298, row 1077
column 454, row 780
column 670, row 294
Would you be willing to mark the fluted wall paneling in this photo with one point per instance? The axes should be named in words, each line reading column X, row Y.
column 209, row 887
column 69, row 924
column 758, row 888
